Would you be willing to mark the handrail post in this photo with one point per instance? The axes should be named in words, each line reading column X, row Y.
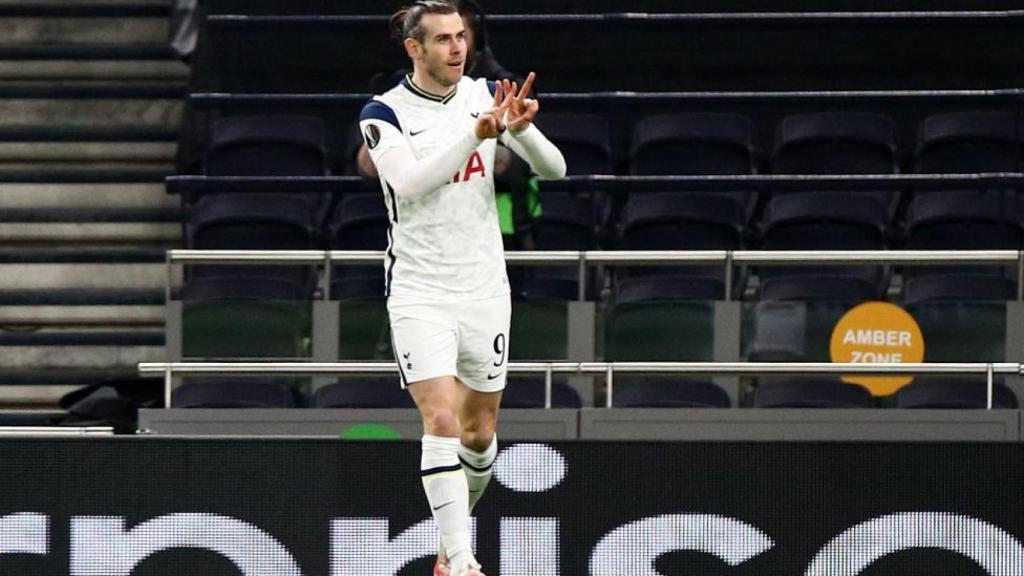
column 1020, row 275
column 547, row 385
column 582, row 274
column 327, row 275
column 609, row 385
column 988, row 386
column 728, row 275
column 169, row 269
column 168, row 384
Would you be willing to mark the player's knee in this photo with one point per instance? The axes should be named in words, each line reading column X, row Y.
column 478, row 433
column 441, row 423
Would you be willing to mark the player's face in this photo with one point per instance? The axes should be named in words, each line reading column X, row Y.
column 443, row 54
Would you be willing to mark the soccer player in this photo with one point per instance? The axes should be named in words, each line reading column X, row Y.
column 432, row 140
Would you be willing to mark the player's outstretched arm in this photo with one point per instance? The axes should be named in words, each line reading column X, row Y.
column 410, row 177
column 525, row 139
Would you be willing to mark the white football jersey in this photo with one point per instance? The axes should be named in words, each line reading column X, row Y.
column 445, row 244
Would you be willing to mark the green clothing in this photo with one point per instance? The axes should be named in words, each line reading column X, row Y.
column 508, row 212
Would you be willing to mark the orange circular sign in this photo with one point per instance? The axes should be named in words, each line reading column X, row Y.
column 877, row 333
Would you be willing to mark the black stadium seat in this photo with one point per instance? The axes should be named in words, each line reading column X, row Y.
column 835, row 143
column 970, row 142
column 954, row 393
column 811, row 393
column 692, row 144
column 584, row 140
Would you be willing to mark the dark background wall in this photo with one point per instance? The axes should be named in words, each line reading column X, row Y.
column 728, row 54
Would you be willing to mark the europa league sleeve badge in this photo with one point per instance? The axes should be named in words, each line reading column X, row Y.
column 372, row 136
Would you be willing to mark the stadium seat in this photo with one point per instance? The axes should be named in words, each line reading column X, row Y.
column 234, row 393
column 666, row 392
column 680, row 221
column 963, row 220
column 826, row 221
column 271, row 145
column 693, row 144
column 696, row 144
column 584, row 140
column 252, row 222
column 359, row 222
column 835, row 143
column 811, row 393
column 567, row 222
column 947, row 306
column 954, row 393
column 794, row 316
column 363, row 392
column 955, row 287
column 838, row 143
column 687, row 144
column 659, row 319
column 266, row 145
column 970, row 142
column 254, row 311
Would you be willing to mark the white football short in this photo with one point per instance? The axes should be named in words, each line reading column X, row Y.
column 468, row 340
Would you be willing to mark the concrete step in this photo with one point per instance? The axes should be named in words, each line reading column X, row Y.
column 153, row 234
column 87, row 152
column 89, row 174
column 81, row 255
column 29, row 397
column 65, row 8
column 95, row 89
column 92, row 70
column 111, row 317
column 54, row 276
column 80, row 29
column 141, row 111
column 119, row 357
column 99, row 197
column 87, row 51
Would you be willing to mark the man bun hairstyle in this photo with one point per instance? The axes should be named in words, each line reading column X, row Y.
column 407, row 22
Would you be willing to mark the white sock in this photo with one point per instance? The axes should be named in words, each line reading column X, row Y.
column 479, row 467
column 445, row 485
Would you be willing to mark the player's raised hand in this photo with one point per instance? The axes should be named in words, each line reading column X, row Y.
column 522, row 110
column 491, row 123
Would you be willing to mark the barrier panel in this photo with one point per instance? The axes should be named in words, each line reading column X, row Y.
column 230, row 507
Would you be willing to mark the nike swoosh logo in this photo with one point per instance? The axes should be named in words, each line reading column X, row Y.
column 443, row 505
column 493, row 376
column 474, row 114
column 418, row 133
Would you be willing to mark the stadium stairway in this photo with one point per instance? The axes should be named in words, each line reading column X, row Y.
column 91, row 99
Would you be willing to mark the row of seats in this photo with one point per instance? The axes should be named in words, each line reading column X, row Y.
column 651, row 317
column 809, row 143
column 666, row 220
column 629, row 392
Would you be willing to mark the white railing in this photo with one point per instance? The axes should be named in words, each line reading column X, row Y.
column 582, row 259
column 171, row 369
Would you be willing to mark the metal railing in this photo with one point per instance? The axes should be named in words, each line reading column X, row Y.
column 213, row 99
column 171, row 369
column 610, row 183
column 582, row 259
column 624, row 18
